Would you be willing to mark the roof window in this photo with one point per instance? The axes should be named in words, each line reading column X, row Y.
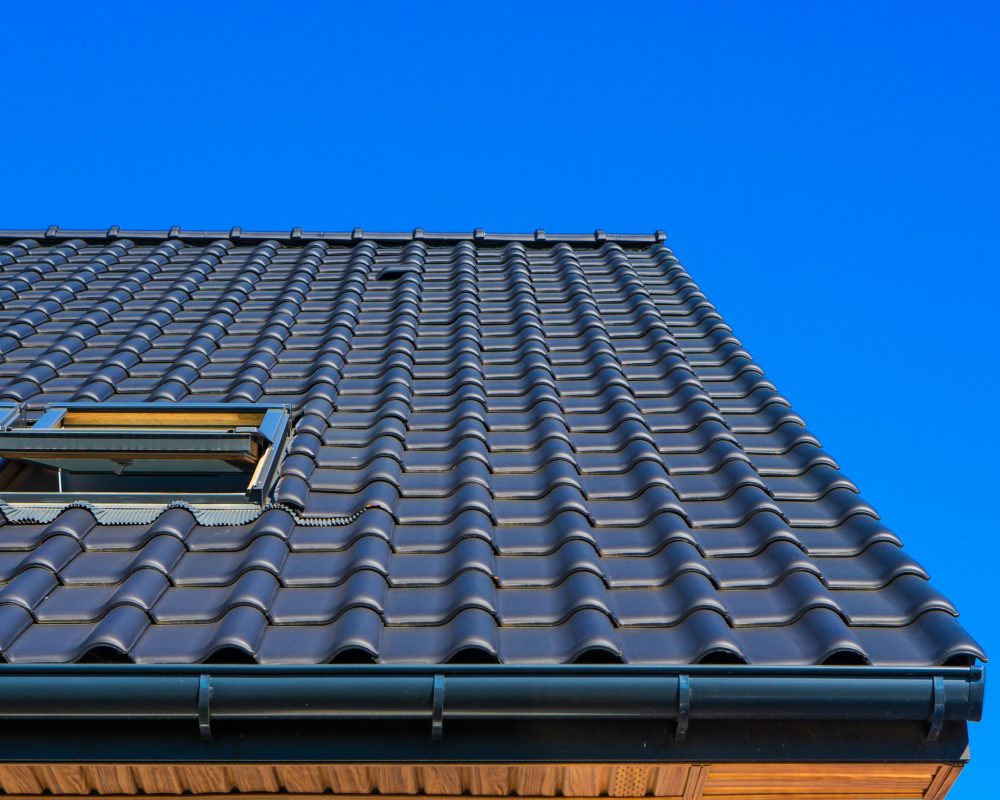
column 143, row 452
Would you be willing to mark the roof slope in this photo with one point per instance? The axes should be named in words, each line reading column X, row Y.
column 561, row 451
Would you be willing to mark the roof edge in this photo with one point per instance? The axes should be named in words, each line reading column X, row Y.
column 236, row 234
column 365, row 714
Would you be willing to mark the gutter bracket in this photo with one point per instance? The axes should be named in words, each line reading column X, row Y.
column 205, row 707
column 683, row 707
column 437, row 710
column 936, row 722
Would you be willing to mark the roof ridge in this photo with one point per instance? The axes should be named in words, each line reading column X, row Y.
column 297, row 236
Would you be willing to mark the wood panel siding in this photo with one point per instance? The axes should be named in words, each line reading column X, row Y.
column 402, row 782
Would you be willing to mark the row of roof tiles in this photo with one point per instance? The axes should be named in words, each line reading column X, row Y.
column 245, row 634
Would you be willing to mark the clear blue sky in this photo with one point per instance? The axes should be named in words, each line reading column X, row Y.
column 828, row 172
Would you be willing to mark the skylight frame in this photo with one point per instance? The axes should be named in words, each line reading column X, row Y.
column 257, row 432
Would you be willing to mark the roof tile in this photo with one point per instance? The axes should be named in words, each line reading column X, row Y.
column 541, row 453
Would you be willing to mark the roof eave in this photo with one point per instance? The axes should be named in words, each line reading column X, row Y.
column 836, row 713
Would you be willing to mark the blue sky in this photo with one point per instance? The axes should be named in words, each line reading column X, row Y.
column 829, row 172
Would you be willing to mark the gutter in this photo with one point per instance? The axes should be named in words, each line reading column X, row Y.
column 682, row 696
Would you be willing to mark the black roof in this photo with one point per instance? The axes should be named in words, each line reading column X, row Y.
column 525, row 449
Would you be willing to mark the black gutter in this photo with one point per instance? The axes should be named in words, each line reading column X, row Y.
column 207, row 693
column 296, row 236
column 485, row 714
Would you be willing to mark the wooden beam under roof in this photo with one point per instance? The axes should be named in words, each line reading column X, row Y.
column 729, row 781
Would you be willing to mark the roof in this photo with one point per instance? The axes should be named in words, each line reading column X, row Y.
column 518, row 449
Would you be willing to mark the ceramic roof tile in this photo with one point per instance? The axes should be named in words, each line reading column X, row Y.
column 555, row 451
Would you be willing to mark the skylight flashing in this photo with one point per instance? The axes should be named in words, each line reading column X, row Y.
column 9, row 416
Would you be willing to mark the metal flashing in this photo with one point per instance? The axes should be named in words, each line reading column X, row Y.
column 208, row 514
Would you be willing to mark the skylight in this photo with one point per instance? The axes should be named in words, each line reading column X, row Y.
column 143, row 452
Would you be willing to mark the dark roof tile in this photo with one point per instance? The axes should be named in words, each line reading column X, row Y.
column 28, row 588
column 161, row 553
column 88, row 603
column 118, row 631
column 587, row 633
column 356, row 635
column 472, row 634
column 542, row 453
column 234, row 637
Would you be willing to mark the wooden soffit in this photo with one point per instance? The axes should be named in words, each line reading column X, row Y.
column 763, row 781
